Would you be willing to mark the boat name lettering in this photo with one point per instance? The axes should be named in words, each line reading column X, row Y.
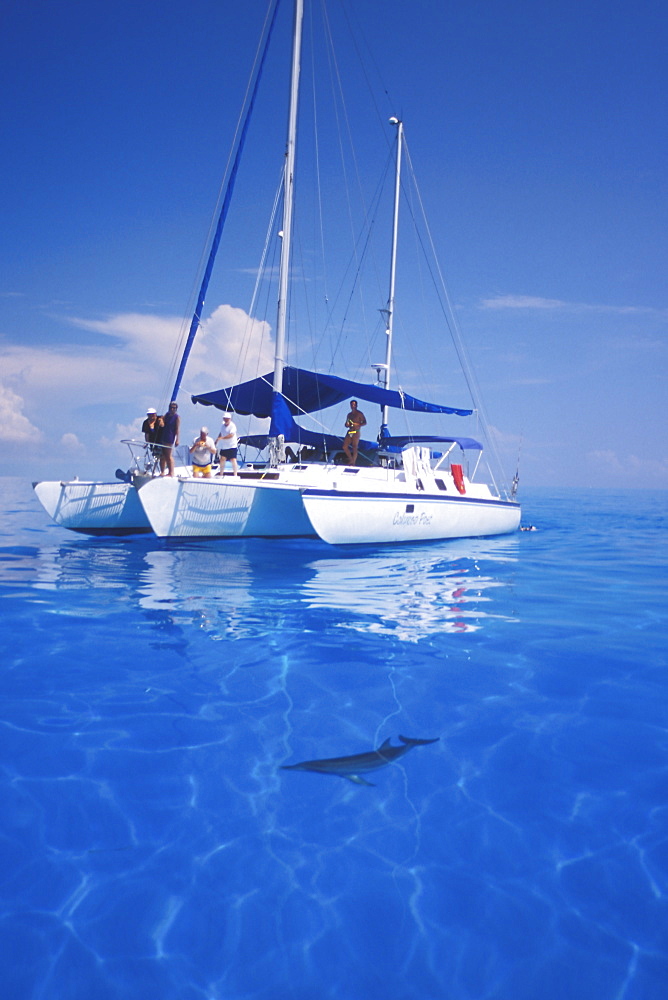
column 411, row 519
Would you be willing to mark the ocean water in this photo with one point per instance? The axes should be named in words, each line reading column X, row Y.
column 153, row 848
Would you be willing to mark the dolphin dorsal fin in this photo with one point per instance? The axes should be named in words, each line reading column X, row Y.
column 385, row 745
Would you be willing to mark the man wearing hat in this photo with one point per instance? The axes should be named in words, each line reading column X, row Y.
column 202, row 451
column 151, row 430
column 150, row 426
column 229, row 444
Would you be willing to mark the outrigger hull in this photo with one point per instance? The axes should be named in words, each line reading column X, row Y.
column 224, row 507
column 94, row 508
column 345, row 518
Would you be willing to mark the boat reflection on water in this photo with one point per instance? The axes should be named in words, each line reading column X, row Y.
column 240, row 589
column 411, row 594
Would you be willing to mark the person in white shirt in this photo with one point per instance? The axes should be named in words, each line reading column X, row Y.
column 229, row 442
column 202, row 451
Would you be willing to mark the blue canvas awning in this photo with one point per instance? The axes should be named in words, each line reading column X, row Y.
column 465, row 443
column 283, row 423
column 307, row 392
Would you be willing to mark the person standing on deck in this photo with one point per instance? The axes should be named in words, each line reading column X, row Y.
column 230, row 442
column 169, row 439
column 151, row 430
column 202, row 451
column 355, row 421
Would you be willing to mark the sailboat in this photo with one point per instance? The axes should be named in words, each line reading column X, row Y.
column 402, row 489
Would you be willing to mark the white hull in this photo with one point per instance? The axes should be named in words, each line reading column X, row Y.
column 363, row 519
column 224, row 507
column 94, row 508
column 342, row 505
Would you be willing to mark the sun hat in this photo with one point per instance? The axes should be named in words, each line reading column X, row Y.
column 227, row 416
column 150, row 410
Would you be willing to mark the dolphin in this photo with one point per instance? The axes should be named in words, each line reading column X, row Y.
column 351, row 767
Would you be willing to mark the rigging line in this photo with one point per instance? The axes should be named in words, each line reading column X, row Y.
column 344, row 128
column 355, row 32
column 455, row 332
column 259, row 277
column 341, row 113
column 358, row 259
column 316, row 133
column 178, row 347
column 225, row 207
column 355, row 285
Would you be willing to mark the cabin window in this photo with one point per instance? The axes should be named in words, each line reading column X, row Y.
column 410, row 507
column 350, row 472
column 441, row 485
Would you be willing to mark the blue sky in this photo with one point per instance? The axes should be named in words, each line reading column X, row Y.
column 538, row 136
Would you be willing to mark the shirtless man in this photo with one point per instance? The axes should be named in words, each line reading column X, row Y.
column 355, row 421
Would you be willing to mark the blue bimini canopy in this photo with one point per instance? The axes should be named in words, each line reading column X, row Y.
column 466, row 444
column 283, row 423
column 306, row 392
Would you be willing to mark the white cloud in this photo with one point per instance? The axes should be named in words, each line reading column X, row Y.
column 15, row 428
column 521, row 302
column 145, row 335
column 229, row 345
column 71, row 443
column 503, row 439
column 633, row 471
column 125, row 432
column 536, row 302
column 606, row 460
column 51, row 386
column 59, row 373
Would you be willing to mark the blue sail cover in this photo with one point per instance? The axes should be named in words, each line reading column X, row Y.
column 306, row 392
column 283, row 423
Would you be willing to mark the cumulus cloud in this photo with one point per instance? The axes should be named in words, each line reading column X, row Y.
column 71, row 443
column 227, row 343
column 15, row 428
column 229, row 346
column 57, row 386
column 146, row 336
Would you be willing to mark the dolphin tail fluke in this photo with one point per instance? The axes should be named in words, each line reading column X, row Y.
column 409, row 741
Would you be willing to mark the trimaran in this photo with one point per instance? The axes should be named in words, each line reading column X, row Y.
column 404, row 489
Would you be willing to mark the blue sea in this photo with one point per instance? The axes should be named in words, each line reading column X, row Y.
column 153, row 849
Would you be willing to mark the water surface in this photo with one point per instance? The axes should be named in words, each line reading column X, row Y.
column 152, row 847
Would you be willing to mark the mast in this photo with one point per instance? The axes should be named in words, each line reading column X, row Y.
column 288, row 200
column 389, row 312
column 199, row 307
